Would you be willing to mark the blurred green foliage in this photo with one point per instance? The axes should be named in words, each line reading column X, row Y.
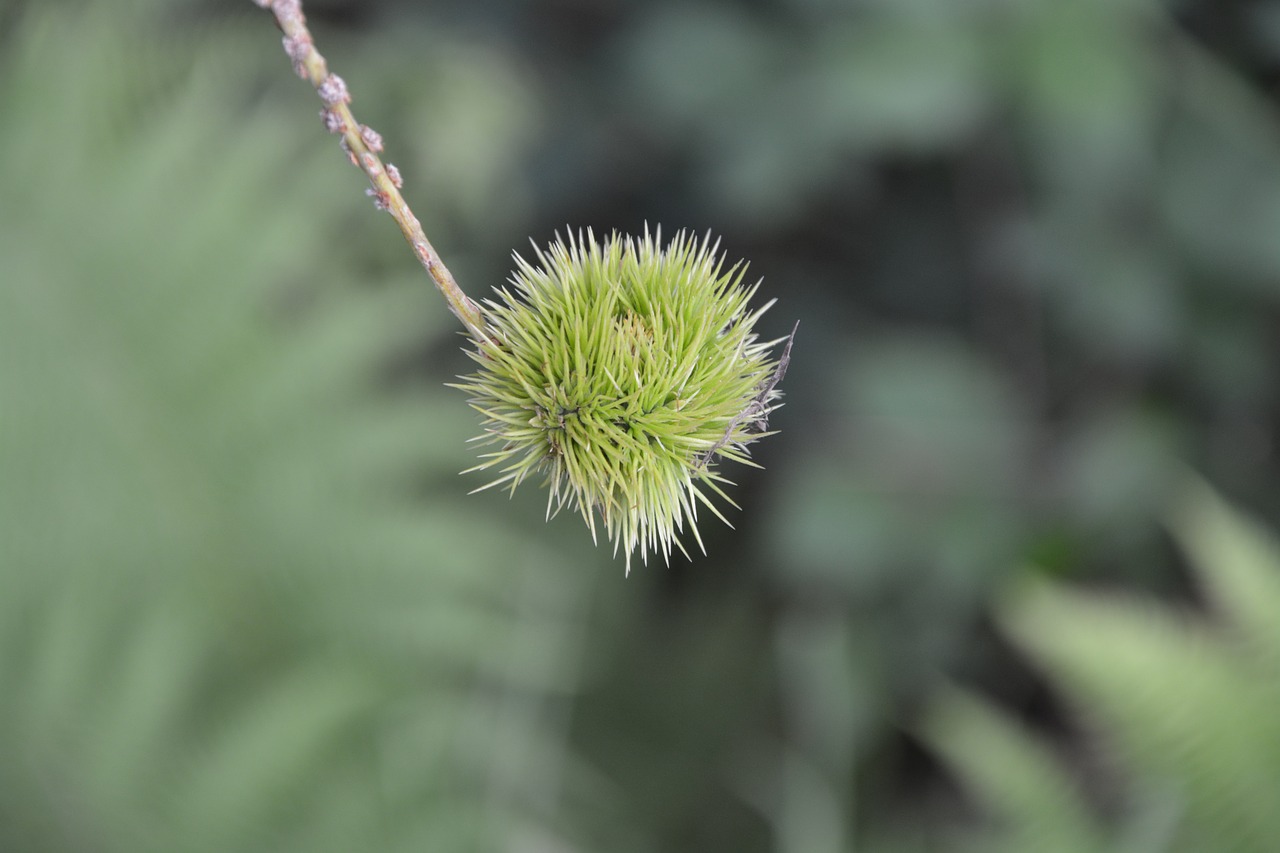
column 242, row 607
column 1186, row 703
column 245, row 603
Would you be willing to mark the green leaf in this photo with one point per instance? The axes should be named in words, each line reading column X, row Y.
column 1238, row 563
column 1015, row 776
column 1180, row 702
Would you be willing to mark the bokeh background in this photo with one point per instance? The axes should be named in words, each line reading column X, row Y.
column 984, row 595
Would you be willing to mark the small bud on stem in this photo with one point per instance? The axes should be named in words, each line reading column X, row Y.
column 362, row 144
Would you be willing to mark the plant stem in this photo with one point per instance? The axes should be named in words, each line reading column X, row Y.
column 362, row 145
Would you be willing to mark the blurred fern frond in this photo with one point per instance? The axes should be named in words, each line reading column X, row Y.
column 237, row 612
column 1187, row 703
column 1015, row 777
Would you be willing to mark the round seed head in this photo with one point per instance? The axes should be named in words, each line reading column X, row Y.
column 624, row 371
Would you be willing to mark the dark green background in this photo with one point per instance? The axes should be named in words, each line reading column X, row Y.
column 245, row 601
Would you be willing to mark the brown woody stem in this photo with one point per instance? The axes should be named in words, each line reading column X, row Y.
column 362, row 145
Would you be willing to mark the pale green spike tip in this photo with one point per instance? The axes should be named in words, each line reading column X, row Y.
column 625, row 371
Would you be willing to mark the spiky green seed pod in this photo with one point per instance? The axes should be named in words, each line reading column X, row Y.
column 624, row 371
